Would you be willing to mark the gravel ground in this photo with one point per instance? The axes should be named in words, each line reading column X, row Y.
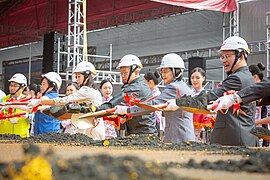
column 128, row 167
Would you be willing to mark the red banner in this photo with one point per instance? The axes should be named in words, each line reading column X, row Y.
column 215, row 5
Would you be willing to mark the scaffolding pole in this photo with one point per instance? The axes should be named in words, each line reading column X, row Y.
column 230, row 27
column 75, row 33
column 268, row 43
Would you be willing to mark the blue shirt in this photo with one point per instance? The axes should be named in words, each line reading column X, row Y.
column 44, row 123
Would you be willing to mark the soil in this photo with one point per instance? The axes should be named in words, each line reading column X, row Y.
column 196, row 104
column 261, row 133
column 151, row 158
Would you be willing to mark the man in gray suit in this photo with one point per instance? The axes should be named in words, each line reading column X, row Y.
column 134, row 84
column 232, row 128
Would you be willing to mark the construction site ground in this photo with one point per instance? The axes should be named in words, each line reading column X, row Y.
column 12, row 151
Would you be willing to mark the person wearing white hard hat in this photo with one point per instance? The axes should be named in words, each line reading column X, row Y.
column 84, row 73
column 179, row 124
column 133, row 84
column 50, row 84
column 233, row 127
column 17, row 125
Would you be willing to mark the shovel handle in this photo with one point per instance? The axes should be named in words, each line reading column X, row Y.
column 13, row 103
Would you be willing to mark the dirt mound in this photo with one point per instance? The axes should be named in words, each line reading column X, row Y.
column 259, row 163
column 254, row 160
column 140, row 141
column 94, row 167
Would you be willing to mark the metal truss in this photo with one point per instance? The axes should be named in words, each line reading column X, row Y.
column 75, row 48
column 258, row 47
column 75, row 33
column 230, row 24
column 268, row 43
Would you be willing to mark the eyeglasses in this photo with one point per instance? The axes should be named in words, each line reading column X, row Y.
column 124, row 73
column 164, row 72
column 226, row 56
column 14, row 86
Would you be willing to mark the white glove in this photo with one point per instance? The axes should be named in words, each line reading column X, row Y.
column 34, row 102
column 224, row 102
column 121, row 110
column 171, row 105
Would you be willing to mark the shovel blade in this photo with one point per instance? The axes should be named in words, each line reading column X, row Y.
column 146, row 106
column 265, row 137
column 82, row 123
column 65, row 117
column 261, row 132
column 196, row 110
column 101, row 113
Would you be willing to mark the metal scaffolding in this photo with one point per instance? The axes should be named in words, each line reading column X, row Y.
column 268, row 43
column 77, row 39
column 75, row 33
column 230, row 24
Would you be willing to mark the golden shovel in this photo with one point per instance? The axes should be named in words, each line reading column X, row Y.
column 82, row 123
column 261, row 132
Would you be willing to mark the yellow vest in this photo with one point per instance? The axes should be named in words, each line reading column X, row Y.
column 20, row 128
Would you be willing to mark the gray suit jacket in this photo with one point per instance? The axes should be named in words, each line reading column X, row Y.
column 232, row 129
column 179, row 124
column 145, row 124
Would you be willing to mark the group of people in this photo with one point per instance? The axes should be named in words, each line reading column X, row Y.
column 231, row 128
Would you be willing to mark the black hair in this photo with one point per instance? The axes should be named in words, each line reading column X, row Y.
column 152, row 76
column 90, row 81
column 240, row 52
column 257, row 70
column 103, row 82
column 177, row 72
column 75, row 84
column 199, row 70
column 34, row 87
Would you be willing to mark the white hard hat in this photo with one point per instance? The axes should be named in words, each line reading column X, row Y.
column 85, row 66
column 172, row 60
column 234, row 43
column 18, row 78
column 129, row 60
column 54, row 78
